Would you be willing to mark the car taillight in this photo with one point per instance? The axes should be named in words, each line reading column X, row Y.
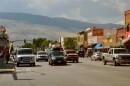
column 65, row 55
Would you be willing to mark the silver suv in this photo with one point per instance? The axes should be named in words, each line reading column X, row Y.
column 24, row 56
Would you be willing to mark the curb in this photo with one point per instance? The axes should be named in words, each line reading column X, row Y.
column 7, row 70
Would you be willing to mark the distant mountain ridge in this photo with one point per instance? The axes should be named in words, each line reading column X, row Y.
column 28, row 26
column 56, row 22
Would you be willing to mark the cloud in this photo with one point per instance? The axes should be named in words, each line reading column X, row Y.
column 74, row 14
column 120, row 5
column 121, row 22
column 84, row 10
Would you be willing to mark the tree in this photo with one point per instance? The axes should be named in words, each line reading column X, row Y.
column 70, row 43
column 41, row 43
column 28, row 45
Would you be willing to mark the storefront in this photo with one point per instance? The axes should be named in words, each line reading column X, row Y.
column 126, row 41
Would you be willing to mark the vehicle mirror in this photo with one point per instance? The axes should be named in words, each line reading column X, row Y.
column 14, row 53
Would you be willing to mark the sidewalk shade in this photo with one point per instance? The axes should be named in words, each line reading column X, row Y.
column 7, row 67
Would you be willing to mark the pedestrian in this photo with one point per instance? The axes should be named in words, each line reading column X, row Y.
column 6, row 53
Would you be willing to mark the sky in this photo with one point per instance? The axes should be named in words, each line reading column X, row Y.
column 92, row 11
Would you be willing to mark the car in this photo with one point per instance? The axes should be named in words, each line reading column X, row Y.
column 57, row 57
column 41, row 55
column 89, row 52
column 117, row 56
column 24, row 56
column 96, row 56
column 71, row 55
column 81, row 53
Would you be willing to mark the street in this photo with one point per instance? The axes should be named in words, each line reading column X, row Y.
column 84, row 73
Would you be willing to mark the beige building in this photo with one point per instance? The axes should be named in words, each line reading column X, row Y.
column 80, row 38
column 104, row 36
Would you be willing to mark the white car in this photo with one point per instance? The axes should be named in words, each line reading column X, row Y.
column 41, row 55
column 96, row 56
column 24, row 56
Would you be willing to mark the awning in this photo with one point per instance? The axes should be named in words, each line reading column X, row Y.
column 97, row 45
column 91, row 45
column 127, row 37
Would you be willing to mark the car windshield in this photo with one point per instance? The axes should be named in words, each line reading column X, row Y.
column 25, row 51
column 70, row 52
column 121, row 51
column 40, row 53
column 57, row 54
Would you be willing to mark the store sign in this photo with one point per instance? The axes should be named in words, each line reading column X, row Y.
column 97, row 32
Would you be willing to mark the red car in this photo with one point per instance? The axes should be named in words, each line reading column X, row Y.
column 71, row 55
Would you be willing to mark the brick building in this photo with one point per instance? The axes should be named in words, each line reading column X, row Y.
column 127, row 17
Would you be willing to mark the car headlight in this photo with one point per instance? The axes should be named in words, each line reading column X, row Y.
column 64, row 58
column 38, row 56
column 53, row 58
column 32, row 58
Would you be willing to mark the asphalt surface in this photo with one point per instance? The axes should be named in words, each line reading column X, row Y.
column 84, row 73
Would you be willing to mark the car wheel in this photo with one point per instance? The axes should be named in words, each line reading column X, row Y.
column 77, row 61
column 51, row 63
column 37, row 60
column 17, row 64
column 114, row 62
column 33, row 64
column 95, row 59
column 100, row 59
column 65, row 63
column 105, row 62
column 91, row 59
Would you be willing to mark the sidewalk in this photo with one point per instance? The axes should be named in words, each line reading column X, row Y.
column 10, row 67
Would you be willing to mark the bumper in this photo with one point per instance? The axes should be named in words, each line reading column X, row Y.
column 72, row 58
column 26, row 62
column 59, row 61
column 126, row 61
column 98, row 57
column 42, row 58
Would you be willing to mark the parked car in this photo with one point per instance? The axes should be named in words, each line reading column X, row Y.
column 104, row 51
column 81, row 53
column 89, row 52
column 41, row 55
column 96, row 56
column 24, row 56
column 71, row 55
column 117, row 56
column 57, row 57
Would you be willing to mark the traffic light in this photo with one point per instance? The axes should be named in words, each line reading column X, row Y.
column 24, row 40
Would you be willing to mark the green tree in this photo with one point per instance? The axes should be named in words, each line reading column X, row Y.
column 70, row 43
column 41, row 43
column 29, row 45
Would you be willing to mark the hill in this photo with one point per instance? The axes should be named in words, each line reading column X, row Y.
column 29, row 26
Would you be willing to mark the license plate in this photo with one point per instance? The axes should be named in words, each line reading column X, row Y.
column 59, row 61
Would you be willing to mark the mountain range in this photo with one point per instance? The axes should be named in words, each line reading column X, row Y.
column 29, row 26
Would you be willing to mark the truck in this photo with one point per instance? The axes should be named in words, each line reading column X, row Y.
column 24, row 56
column 117, row 56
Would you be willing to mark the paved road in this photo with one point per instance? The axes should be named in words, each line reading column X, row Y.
column 84, row 73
